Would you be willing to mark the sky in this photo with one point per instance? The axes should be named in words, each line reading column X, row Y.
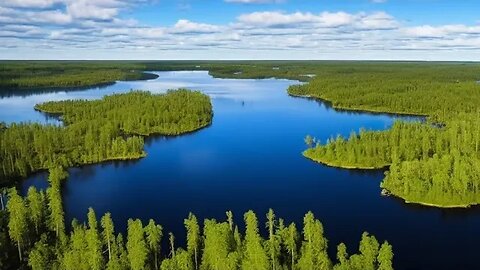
column 427, row 30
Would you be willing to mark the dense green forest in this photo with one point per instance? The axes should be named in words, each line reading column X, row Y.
column 108, row 129
column 33, row 235
column 58, row 74
column 435, row 162
column 23, row 76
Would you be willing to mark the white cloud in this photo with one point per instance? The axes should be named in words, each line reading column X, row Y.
column 186, row 26
column 29, row 3
column 377, row 21
column 274, row 18
column 89, row 9
column 364, row 21
column 87, row 28
column 444, row 31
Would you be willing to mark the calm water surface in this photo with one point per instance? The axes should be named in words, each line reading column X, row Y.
column 249, row 158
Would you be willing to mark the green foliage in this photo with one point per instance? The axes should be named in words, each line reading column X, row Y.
column 385, row 257
column 8, row 252
column 94, row 242
column 193, row 237
column 40, row 255
column 90, row 246
column 433, row 163
column 108, row 233
column 18, row 221
column 36, row 206
column 154, row 236
column 75, row 255
column 272, row 245
column 54, row 198
column 99, row 130
column 136, row 245
column 255, row 257
column 369, row 256
column 314, row 246
column 20, row 75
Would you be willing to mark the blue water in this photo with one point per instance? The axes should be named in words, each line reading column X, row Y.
column 250, row 158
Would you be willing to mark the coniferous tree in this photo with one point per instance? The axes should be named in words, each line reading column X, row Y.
column 193, row 237
column 94, row 242
column 18, row 220
column 314, row 248
column 255, row 257
column 342, row 257
column 385, row 257
column 219, row 252
column 36, row 206
column 154, row 236
column 273, row 242
column 108, row 233
column 136, row 245
column 40, row 256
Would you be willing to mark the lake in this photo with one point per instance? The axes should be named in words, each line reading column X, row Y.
column 250, row 158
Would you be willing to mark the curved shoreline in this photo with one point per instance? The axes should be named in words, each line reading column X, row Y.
column 351, row 167
column 348, row 167
column 388, row 192
column 360, row 110
column 145, row 76
column 439, row 206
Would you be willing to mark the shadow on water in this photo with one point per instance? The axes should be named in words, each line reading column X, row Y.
column 328, row 105
column 18, row 92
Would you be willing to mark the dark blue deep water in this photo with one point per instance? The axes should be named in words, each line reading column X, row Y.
column 250, row 158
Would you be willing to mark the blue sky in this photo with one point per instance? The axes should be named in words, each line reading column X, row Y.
column 240, row 29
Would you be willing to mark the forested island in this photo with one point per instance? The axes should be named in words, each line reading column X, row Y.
column 108, row 129
column 435, row 163
column 35, row 236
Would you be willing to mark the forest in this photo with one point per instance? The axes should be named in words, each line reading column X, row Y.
column 108, row 129
column 22, row 75
column 433, row 162
column 33, row 235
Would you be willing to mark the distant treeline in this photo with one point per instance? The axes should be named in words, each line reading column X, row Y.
column 108, row 129
column 38, row 75
column 32, row 233
column 435, row 163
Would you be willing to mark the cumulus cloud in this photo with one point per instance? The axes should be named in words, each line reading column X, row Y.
column 444, row 31
column 29, row 3
column 89, row 9
column 275, row 19
column 188, row 27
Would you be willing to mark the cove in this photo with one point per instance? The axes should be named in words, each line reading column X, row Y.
column 250, row 158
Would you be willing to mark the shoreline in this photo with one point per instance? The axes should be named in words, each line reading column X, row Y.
column 329, row 164
column 354, row 109
column 389, row 193
column 435, row 205
column 144, row 77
